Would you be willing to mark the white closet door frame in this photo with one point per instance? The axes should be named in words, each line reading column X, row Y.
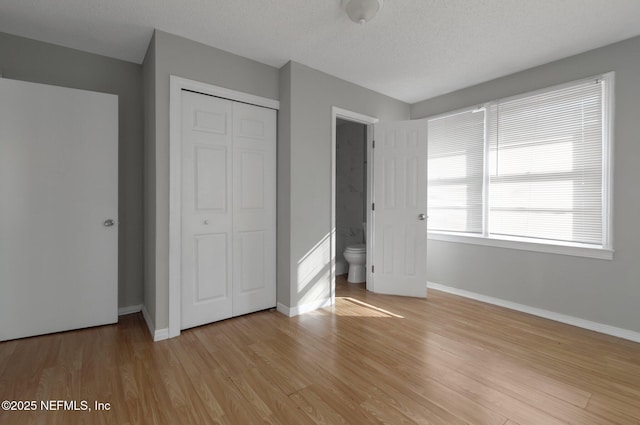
column 176, row 85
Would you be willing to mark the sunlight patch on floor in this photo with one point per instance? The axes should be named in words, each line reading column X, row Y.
column 347, row 306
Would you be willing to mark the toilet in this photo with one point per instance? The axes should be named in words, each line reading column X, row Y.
column 356, row 256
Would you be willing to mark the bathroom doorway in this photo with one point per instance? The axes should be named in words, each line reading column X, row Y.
column 352, row 139
column 351, row 199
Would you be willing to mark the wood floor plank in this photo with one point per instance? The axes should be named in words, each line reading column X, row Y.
column 511, row 369
column 370, row 359
column 511, row 385
column 616, row 410
column 273, row 405
column 279, row 370
column 315, row 408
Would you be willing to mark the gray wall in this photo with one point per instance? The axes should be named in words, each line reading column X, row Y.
column 30, row 60
column 149, row 86
column 283, row 239
column 599, row 290
column 308, row 176
column 351, row 178
column 173, row 55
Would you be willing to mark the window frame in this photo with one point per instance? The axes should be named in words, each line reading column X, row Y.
column 604, row 251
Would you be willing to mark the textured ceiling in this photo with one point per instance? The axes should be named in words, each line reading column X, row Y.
column 413, row 49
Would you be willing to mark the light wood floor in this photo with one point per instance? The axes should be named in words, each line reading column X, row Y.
column 370, row 359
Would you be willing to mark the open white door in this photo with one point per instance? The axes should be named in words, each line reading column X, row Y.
column 58, row 209
column 400, row 207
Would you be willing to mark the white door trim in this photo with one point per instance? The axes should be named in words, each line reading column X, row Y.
column 176, row 85
column 368, row 121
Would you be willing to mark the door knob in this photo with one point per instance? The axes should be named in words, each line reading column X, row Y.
column 109, row 223
column 421, row 217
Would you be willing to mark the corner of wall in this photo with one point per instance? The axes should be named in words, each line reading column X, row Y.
column 283, row 266
column 148, row 83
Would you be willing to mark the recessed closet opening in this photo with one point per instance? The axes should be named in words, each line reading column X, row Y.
column 222, row 204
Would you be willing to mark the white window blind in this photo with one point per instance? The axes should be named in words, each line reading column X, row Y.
column 532, row 168
column 455, row 172
column 545, row 165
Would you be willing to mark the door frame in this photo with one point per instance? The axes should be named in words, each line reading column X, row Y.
column 368, row 121
column 176, row 85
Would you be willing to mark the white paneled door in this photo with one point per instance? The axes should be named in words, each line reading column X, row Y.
column 254, row 208
column 58, row 209
column 400, row 197
column 207, row 147
column 228, row 209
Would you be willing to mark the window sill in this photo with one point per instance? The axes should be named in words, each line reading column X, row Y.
column 575, row 250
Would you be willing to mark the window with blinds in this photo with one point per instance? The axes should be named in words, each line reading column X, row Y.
column 455, row 172
column 532, row 167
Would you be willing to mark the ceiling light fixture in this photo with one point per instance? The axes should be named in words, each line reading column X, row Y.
column 362, row 11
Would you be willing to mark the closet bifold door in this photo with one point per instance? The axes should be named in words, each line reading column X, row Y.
column 254, row 208
column 206, row 264
column 228, row 209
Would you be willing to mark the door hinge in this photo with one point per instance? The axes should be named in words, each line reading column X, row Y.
column 373, row 146
column 372, row 268
column 373, row 206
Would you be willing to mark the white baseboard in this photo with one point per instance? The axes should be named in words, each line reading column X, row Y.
column 341, row 267
column 283, row 309
column 130, row 309
column 304, row 308
column 558, row 317
column 161, row 334
column 156, row 334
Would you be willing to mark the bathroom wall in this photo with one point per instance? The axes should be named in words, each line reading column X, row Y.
column 350, row 188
